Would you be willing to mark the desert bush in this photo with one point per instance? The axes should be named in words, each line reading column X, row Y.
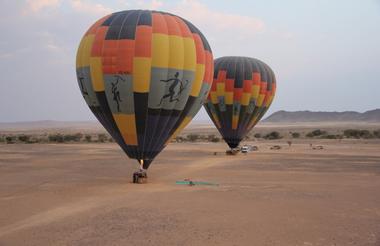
column 179, row 139
column 57, row 138
column 295, row 135
column 78, row 137
column 193, row 137
column 10, row 139
column 316, row 133
column 2, row 139
column 376, row 133
column 72, row 137
column 272, row 135
column 257, row 135
column 355, row 133
column 351, row 133
column 365, row 134
column 330, row 136
column 214, row 139
column 24, row 138
column 102, row 137
column 88, row 138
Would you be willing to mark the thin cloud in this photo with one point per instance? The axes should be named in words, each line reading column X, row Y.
column 34, row 6
column 153, row 5
column 89, row 8
column 201, row 15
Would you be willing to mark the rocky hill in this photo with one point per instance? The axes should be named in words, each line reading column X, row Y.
column 309, row 116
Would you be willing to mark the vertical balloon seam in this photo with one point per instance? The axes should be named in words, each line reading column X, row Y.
column 127, row 146
column 222, row 65
column 231, row 140
column 184, row 115
column 154, row 133
column 257, row 107
column 217, row 112
column 260, row 107
column 142, row 154
column 236, row 133
column 178, row 117
column 99, row 114
column 183, row 70
column 245, row 98
column 112, row 126
column 169, row 113
column 246, row 119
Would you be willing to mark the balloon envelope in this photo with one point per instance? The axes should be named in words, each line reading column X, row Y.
column 144, row 75
column 243, row 88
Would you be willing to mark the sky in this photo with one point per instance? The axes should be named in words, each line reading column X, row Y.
column 325, row 54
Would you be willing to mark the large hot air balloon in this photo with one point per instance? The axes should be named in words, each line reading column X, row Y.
column 242, row 91
column 144, row 75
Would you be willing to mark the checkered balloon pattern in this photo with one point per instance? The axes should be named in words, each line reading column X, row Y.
column 144, row 74
column 242, row 90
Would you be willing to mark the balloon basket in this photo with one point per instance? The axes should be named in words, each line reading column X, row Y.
column 232, row 151
column 140, row 177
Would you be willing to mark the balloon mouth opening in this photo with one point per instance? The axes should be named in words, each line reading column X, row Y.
column 141, row 161
column 144, row 164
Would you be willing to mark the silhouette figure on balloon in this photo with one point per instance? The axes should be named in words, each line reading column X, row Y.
column 116, row 93
column 172, row 94
column 82, row 87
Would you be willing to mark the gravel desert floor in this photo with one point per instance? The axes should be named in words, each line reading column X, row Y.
column 81, row 194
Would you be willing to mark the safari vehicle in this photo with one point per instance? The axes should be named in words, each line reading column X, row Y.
column 244, row 149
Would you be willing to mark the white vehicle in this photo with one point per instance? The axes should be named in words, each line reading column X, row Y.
column 244, row 149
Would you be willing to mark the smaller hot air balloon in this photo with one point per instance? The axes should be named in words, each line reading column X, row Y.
column 242, row 91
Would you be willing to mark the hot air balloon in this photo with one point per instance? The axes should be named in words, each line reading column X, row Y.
column 243, row 88
column 144, row 75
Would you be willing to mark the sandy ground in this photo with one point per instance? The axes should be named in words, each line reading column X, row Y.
column 80, row 194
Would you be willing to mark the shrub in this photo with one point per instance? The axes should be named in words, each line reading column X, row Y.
column 10, row 139
column 365, row 134
column 257, row 135
column 330, row 136
column 179, row 139
column 2, row 139
column 193, row 137
column 295, row 135
column 88, row 138
column 376, row 133
column 272, row 135
column 24, row 138
column 215, row 139
column 102, row 137
column 354, row 133
column 58, row 138
column 316, row 133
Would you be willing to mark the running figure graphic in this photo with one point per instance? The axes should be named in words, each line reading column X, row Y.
column 115, row 91
column 172, row 87
column 82, row 88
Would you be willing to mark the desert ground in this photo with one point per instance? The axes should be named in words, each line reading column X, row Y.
column 81, row 194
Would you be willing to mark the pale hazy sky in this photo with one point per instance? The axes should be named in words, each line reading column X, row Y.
column 325, row 53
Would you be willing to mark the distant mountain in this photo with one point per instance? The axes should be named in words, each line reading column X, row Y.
column 309, row 116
